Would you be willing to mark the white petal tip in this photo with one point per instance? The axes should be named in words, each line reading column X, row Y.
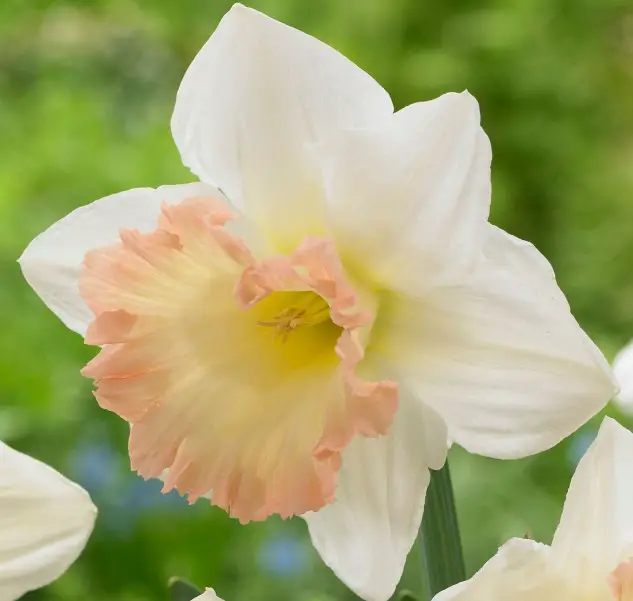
column 464, row 97
column 90, row 510
column 238, row 13
column 27, row 253
column 623, row 378
column 611, row 428
column 458, row 106
column 469, row 101
column 239, row 8
column 208, row 595
column 45, row 520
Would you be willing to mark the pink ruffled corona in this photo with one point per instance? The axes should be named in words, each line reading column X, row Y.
column 621, row 581
column 238, row 375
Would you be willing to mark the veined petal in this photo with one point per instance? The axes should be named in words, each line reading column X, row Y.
column 253, row 101
column 595, row 532
column 499, row 357
column 52, row 261
column 367, row 533
column 520, row 571
column 409, row 198
column 45, row 521
column 623, row 371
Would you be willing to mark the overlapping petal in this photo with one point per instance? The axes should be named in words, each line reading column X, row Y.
column 595, row 532
column 255, row 99
column 408, row 198
column 499, row 357
column 367, row 533
column 45, row 521
column 52, row 261
column 590, row 554
column 520, row 571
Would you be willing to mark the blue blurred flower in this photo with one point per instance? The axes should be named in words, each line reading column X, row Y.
column 283, row 556
column 95, row 467
column 122, row 497
column 579, row 444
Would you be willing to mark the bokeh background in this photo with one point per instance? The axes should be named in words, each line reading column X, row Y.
column 86, row 92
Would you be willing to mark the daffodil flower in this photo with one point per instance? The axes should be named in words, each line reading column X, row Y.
column 591, row 556
column 45, row 521
column 304, row 330
column 623, row 371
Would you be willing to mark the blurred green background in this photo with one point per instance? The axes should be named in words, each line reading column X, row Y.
column 86, row 92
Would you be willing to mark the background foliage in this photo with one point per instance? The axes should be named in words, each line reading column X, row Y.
column 86, row 92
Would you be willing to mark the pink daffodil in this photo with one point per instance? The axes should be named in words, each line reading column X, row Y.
column 302, row 331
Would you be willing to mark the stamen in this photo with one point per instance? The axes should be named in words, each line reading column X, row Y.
column 312, row 313
column 286, row 321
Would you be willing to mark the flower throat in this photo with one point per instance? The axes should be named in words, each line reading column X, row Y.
column 307, row 309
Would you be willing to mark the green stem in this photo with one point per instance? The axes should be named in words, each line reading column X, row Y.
column 439, row 536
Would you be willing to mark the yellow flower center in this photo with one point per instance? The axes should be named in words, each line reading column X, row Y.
column 302, row 309
column 297, row 328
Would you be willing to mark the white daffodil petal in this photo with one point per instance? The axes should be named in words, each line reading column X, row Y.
column 623, row 370
column 520, row 571
column 208, row 595
column 366, row 534
column 595, row 532
column 500, row 357
column 45, row 521
column 253, row 101
column 411, row 196
column 52, row 262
